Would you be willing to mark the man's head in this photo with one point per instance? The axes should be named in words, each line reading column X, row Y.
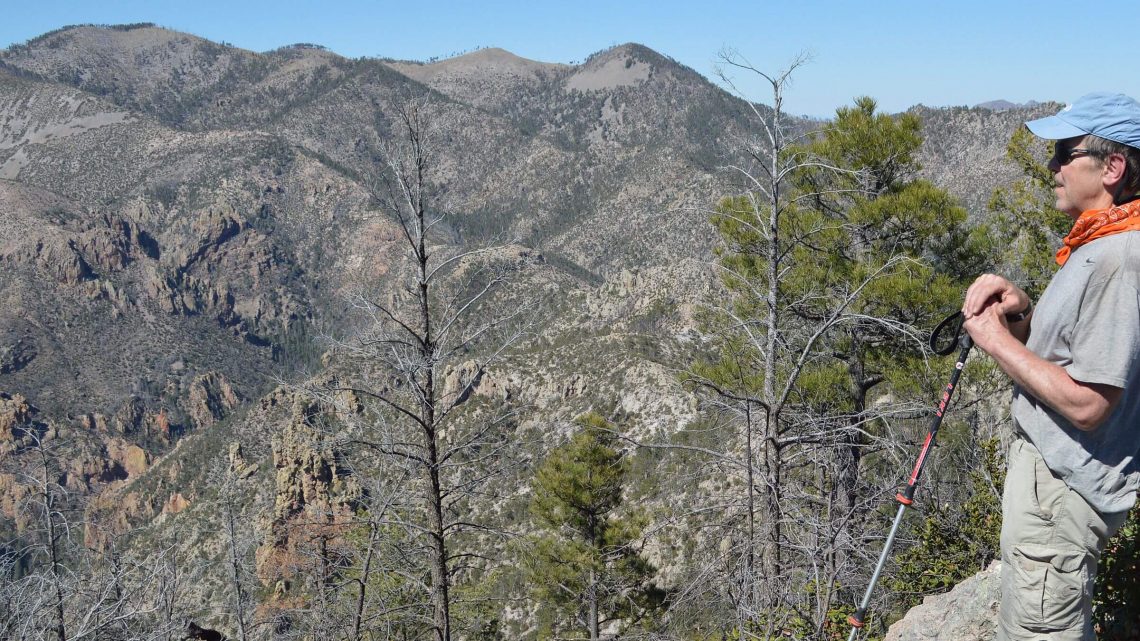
column 1097, row 154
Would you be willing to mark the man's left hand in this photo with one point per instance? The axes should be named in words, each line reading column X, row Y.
column 988, row 327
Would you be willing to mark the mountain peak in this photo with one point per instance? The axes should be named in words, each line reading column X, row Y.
column 1005, row 105
column 628, row 65
column 492, row 55
column 624, row 65
column 478, row 66
column 139, row 34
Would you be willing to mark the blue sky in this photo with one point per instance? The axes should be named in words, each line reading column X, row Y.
column 900, row 52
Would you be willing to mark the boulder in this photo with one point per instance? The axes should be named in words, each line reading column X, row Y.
column 966, row 613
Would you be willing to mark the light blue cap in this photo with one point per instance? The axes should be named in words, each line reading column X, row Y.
column 1112, row 116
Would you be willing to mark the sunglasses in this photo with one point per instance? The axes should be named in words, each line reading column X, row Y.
column 1066, row 155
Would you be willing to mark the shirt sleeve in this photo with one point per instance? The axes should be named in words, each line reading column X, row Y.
column 1106, row 338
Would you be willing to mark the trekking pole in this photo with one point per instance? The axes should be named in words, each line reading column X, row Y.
column 906, row 497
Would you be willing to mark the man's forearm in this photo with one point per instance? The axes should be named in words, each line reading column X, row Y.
column 1085, row 405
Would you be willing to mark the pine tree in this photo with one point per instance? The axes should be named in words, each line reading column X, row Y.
column 838, row 261
column 894, row 254
column 587, row 565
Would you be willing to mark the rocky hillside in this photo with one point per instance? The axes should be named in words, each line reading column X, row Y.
column 185, row 225
column 964, row 150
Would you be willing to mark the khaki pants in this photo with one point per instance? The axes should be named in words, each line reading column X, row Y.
column 1051, row 540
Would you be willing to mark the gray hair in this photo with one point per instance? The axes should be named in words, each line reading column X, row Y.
column 1101, row 148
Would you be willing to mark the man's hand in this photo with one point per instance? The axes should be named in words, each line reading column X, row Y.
column 988, row 328
column 992, row 293
column 991, row 289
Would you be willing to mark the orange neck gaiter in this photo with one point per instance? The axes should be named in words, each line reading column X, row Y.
column 1098, row 223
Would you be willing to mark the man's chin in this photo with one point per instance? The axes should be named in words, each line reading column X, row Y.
column 1062, row 205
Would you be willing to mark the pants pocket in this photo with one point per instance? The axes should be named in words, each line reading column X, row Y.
column 1049, row 491
column 1050, row 586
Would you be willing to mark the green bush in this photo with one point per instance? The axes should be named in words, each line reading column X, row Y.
column 1116, row 608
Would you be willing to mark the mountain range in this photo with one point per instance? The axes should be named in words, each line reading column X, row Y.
column 184, row 226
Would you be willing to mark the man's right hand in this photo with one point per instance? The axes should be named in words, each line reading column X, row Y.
column 991, row 289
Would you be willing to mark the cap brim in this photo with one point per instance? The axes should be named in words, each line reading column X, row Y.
column 1053, row 128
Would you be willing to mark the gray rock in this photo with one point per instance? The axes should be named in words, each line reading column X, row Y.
column 966, row 613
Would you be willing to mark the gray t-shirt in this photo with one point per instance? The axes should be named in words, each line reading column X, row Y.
column 1088, row 321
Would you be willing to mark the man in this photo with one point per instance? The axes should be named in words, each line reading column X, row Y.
column 1072, row 470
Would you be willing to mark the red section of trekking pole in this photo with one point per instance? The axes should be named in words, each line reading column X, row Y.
column 906, row 497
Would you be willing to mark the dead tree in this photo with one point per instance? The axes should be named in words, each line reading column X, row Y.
column 444, row 310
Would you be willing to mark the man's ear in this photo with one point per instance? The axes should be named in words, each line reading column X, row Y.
column 1115, row 167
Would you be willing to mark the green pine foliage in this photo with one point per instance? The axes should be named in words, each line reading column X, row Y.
column 586, row 570
column 903, row 239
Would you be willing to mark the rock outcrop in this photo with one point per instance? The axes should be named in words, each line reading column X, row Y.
column 175, row 504
column 307, row 475
column 966, row 613
column 132, row 459
column 61, row 259
column 210, row 399
column 314, row 505
column 107, row 244
column 14, row 412
column 130, row 418
column 111, row 243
